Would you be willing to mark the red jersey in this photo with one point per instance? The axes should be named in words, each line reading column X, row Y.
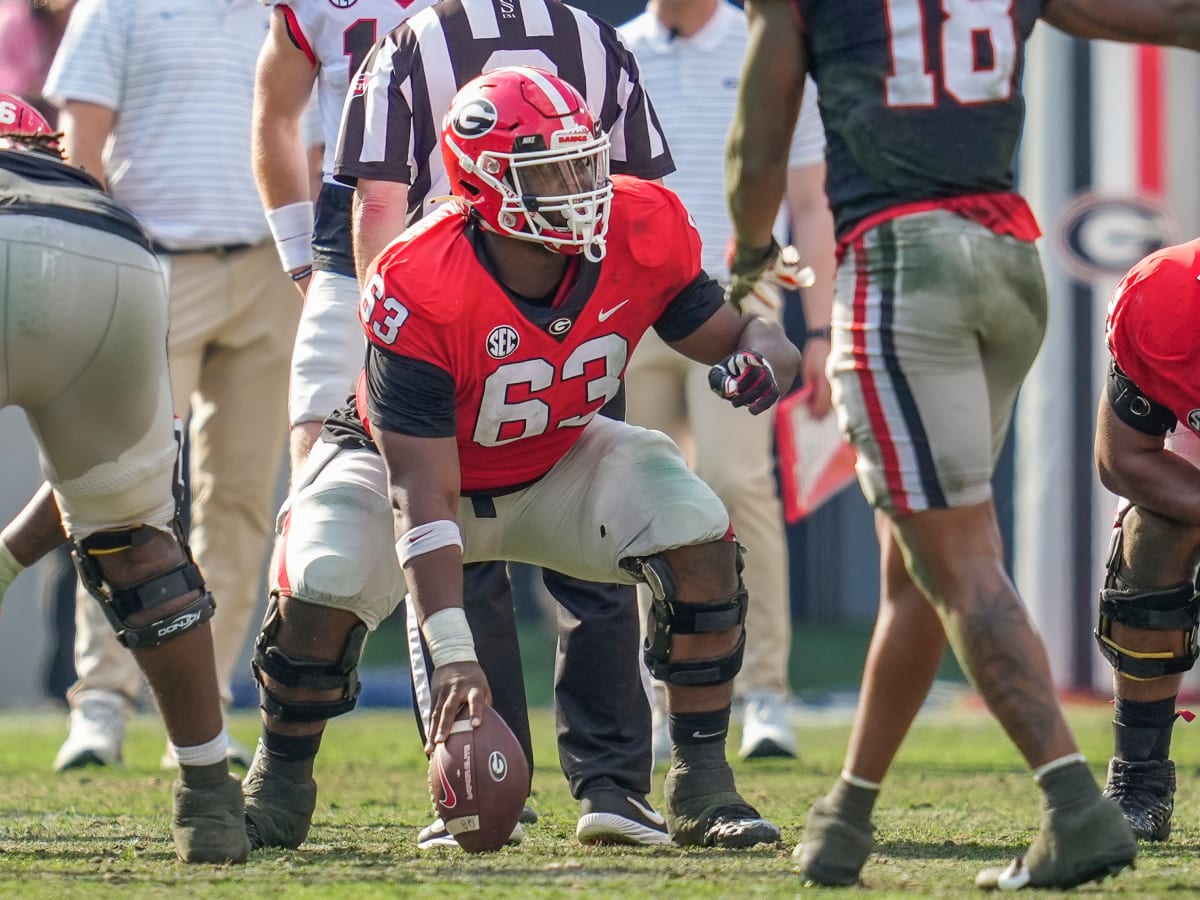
column 525, row 377
column 1154, row 329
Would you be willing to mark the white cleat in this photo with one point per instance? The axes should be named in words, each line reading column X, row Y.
column 766, row 730
column 97, row 730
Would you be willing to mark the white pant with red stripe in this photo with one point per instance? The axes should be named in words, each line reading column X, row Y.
column 936, row 322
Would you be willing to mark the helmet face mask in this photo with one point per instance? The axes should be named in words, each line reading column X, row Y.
column 522, row 148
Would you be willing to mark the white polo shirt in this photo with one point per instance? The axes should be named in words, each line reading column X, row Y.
column 693, row 83
column 180, row 76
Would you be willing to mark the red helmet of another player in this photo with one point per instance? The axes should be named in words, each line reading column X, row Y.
column 523, row 149
column 18, row 119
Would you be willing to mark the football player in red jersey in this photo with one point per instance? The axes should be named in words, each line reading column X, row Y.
column 498, row 327
column 940, row 307
column 1147, row 451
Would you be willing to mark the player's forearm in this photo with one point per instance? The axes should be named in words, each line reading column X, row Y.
column 37, row 528
column 1159, row 481
column 86, row 127
column 281, row 166
column 812, row 234
column 1172, row 22
column 1138, row 467
column 375, row 222
column 767, row 338
column 759, row 139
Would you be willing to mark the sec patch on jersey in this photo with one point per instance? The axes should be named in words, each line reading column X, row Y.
column 479, row 781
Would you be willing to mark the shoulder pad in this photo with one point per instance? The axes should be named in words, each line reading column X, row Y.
column 658, row 228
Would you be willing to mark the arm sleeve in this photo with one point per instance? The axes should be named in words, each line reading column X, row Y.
column 690, row 308
column 409, row 396
column 1133, row 407
column 90, row 63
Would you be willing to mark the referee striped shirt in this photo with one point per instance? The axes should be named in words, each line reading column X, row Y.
column 391, row 125
column 180, row 76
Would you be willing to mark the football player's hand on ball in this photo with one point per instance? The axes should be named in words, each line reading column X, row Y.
column 455, row 685
column 752, row 267
column 744, row 378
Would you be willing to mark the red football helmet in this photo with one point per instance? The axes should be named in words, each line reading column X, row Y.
column 18, row 119
column 523, row 149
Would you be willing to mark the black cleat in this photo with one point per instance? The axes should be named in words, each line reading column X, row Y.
column 1145, row 791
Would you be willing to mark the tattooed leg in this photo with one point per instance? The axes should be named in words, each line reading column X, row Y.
column 956, row 557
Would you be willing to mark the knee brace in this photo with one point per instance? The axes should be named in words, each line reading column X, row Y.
column 309, row 674
column 670, row 616
column 1174, row 608
column 121, row 603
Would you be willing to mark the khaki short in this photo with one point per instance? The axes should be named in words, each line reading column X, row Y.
column 936, row 322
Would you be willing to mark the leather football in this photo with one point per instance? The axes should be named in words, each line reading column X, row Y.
column 479, row 781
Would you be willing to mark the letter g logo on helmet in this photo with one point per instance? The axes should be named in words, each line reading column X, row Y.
column 473, row 117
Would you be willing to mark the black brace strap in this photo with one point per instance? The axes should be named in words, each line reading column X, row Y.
column 671, row 616
column 309, row 674
column 698, row 672
column 119, row 604
column 1174, row 608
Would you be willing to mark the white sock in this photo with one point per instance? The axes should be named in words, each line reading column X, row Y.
column 1055, row 764
column 206, row 754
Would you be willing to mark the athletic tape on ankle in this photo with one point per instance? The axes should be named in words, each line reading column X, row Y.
column 857, row 782
column 448, row 637
column 1055, row 764
column 9, row 569
column 426, row 538
column 205, row 754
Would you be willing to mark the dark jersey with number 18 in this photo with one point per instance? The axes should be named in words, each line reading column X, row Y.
column 921, row 99
column 452, row 353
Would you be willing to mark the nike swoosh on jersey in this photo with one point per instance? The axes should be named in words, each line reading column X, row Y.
column 605, row 313
column 650, row 814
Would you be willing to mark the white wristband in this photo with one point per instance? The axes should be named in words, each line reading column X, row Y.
column 426, row 538
column 292, row 228
column 448, row 637
column 9, row 569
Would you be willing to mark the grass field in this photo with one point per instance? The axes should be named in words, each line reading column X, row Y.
column 958, row 799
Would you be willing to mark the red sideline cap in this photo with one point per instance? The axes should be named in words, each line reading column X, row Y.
column 1154, row 329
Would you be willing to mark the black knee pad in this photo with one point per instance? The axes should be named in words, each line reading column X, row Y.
column 1174, row 608
column 311, row 674
column 121, row 603
column 669, row 616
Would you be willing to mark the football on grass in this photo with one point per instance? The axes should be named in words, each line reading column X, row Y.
column 479, row 780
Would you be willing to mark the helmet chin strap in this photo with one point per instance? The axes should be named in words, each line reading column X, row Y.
column 595, row 250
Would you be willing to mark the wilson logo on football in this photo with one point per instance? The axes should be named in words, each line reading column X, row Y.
column 449, row 800
column 473, row 117
column 497, row 766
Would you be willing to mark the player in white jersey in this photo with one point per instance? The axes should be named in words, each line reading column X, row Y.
column 322, row 43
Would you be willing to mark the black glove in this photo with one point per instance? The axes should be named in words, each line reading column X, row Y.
column 750, row 267
column 744, row 378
